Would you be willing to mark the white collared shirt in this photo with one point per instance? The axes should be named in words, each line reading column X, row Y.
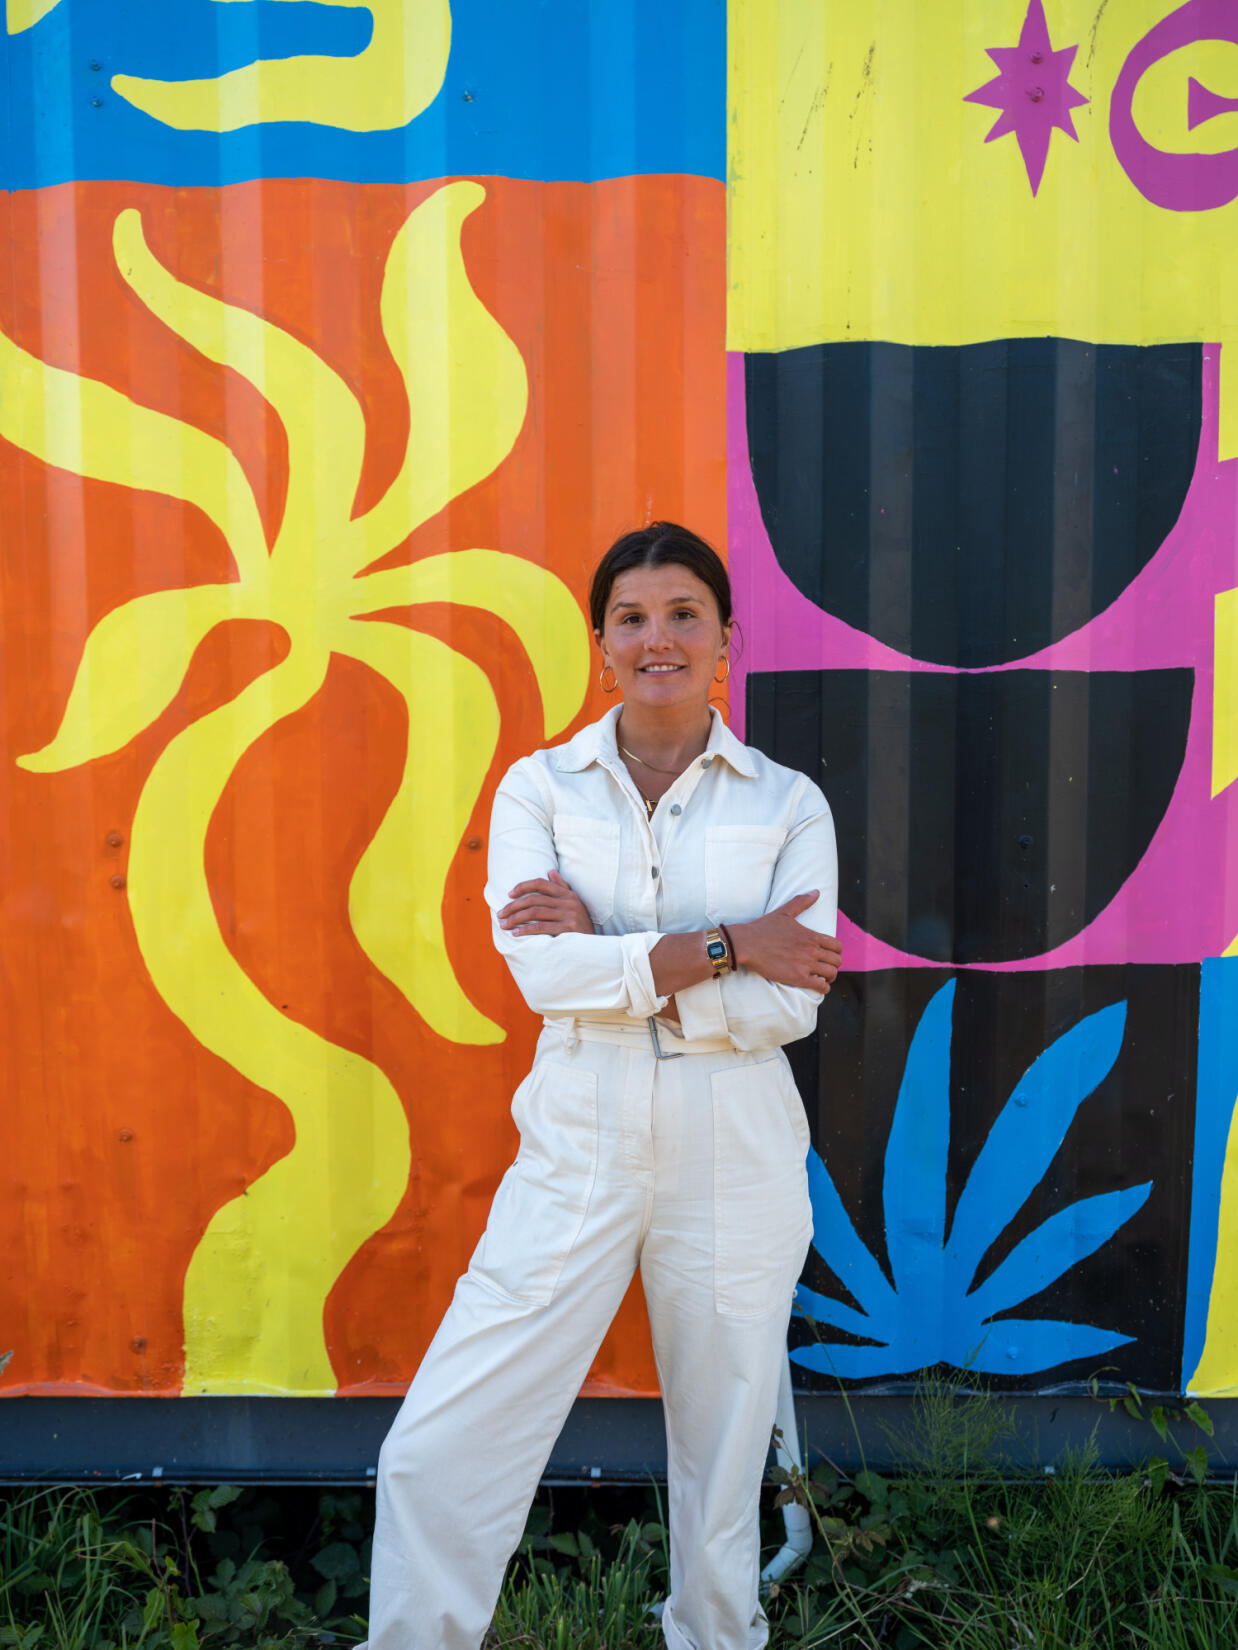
column 734, row 836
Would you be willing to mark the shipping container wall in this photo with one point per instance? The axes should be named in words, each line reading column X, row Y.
column 336, row 342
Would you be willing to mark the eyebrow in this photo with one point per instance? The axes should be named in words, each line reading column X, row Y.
column 675, row 601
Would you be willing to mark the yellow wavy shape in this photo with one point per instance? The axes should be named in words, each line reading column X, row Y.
column 1216, row 1374
column 465, row 378
column 536, row 604
column 133, row 663
column 259, row 1278
column 396, row 898
column 385, row 86
column 1225, row 691
column 289, row 1236
column 24, row 14
column 320, row 414
column 81, row 425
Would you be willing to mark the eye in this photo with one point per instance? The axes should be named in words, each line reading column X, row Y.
column 686, row 613
column 630, row 618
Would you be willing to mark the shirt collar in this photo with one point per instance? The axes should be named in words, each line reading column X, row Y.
column 597, row 743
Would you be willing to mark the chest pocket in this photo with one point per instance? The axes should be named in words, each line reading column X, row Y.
column 739, row 870
column 588, row 851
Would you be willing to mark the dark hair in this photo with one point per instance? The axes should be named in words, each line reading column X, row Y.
column 660, row 544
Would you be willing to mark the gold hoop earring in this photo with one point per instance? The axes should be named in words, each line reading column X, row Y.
column 726, row 675
column 601, row 681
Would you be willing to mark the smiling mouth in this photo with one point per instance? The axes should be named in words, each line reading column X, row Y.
column 659, row 670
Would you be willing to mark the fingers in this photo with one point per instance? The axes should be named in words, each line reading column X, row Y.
column 533, row 909
column 799, row 902
column 535, row 885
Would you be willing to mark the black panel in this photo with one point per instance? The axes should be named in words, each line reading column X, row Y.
column 970, row 504
column 980, row 818
column 1137, row 1125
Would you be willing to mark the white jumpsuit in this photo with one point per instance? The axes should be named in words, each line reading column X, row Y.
column 691, row 1168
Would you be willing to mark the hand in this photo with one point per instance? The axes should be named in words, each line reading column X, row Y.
column 545, row 905
column 781, row 949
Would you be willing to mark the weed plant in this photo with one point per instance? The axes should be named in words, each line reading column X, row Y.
column 967, row 1545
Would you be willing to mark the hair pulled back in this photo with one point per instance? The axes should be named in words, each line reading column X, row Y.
column 660, row 544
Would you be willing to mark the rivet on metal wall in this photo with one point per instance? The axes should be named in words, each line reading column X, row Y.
column 117, row 882
column 114, row 839
column 473, row 842
column 124, row 1134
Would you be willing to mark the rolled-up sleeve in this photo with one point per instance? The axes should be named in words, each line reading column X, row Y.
column 751, row 1011
column 558, row 974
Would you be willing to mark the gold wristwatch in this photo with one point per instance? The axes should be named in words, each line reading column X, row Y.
column 717, row 951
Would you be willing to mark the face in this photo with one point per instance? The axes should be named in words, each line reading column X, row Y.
column 663, row 636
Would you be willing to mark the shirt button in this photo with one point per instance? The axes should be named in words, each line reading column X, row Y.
column 653, row 870
column 675, row 808
column 706, row 760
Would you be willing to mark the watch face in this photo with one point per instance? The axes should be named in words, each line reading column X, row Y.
column 716, row 951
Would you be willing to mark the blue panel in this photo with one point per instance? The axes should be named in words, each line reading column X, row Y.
column 556, row 90
column 1214, row 1112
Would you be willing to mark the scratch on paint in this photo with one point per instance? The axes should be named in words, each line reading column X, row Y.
column 799, row 54
column 1100, row 12
column 866, row 82
column 816, row 106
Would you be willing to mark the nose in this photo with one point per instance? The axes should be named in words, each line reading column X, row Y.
column 658, row 636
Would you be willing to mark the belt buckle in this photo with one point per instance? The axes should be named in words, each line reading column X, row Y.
column 658, row 1053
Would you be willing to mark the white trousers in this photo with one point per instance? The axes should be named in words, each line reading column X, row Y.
column 691, row 1168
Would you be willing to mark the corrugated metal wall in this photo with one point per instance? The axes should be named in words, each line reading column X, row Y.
column 334, row 345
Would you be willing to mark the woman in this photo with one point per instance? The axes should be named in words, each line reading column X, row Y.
column 664, row 897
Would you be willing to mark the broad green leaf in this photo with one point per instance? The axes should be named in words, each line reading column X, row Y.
column 336, row 1561
column 133, row 663
column 1197, row 1413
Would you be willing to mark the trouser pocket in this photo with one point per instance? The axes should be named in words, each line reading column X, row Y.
column 542, row 1200
column 762, row 1213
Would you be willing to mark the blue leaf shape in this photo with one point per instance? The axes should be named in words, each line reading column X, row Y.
column 914, row 1185
column 1054, row 1247
column 824, row 1309
column 1022, row 1346
column 1027, row 1134
column 837, row 1242
column 847, row 1363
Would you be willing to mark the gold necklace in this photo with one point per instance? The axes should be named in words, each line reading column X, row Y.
column 674, row 772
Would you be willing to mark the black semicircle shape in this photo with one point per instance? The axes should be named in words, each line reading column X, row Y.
column 980, row 818
column 970, row 504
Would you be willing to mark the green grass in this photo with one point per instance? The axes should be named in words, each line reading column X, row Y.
column 964, row 1547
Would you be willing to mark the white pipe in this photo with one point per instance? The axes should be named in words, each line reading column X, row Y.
column 796, row 1519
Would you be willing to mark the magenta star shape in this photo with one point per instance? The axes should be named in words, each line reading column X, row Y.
column 1033, row 92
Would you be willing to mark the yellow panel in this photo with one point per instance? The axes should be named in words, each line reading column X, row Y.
column 866, row 203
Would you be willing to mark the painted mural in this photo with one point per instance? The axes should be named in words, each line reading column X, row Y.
column 983, row 467
column 335, row 341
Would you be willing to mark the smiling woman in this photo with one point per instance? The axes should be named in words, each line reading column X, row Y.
column 665, row 898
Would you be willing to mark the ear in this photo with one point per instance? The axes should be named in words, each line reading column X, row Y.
column 727, row 631
column 597, row 636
